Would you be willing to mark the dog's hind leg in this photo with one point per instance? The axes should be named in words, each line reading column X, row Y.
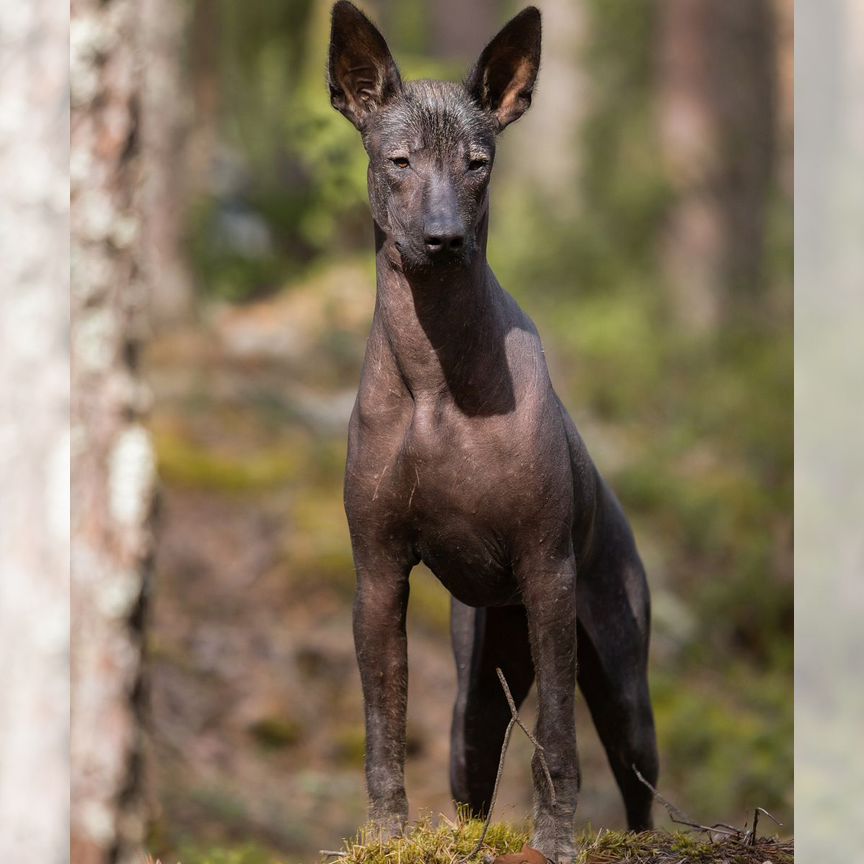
column 483, row 639
column 612, row 651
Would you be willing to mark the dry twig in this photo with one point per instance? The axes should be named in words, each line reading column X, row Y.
column 744, row 836
column 538, row 749
column 681, row 818
column 750, row 836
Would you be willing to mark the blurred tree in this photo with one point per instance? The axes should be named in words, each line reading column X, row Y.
column 165, row 126
column 459, row 31
column 548, row 150
column 204, row 71
column 716, row 89
column 112, row 460
column 34, row 431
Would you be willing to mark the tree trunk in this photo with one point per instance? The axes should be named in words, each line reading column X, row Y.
column 34, row 436
column 205, row 86
column 112, row 461
column 716, row 88
column 548, row 146
column 165, row 115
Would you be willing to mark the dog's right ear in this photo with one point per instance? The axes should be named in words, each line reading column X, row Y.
column 361, row 72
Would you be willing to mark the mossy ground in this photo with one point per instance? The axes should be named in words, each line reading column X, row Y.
column 451, row 842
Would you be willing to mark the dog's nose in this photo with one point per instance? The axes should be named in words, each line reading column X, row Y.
column 444, row 238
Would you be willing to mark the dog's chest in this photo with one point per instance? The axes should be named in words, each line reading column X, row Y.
column 465, row 472
column 459, row 465
column 464, row 483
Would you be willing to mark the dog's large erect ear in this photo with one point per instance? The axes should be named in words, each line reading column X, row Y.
column 361, row 72
column 502, row 80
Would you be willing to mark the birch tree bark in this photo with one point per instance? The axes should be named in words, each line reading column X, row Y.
column 34, row 435
column 112, row 460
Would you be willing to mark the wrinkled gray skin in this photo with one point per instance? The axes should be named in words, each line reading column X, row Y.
column 461, row 455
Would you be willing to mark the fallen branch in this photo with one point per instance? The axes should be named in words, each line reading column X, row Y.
column 744, row 836
column 680, row 818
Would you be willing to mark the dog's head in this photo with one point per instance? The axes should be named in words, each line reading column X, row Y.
column 431, row 144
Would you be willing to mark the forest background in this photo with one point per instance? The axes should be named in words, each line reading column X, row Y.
column 641, row 214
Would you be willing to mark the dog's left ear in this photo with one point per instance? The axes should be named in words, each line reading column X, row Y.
column 502, row 80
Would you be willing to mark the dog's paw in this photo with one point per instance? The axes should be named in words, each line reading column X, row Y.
column 558, row 850
column 567, row 854
column 555, row 834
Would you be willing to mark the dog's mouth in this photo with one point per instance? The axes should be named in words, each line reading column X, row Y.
column 416, row 258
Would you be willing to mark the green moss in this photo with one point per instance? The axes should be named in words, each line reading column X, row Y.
column 274, row 733
column 428, row 844
column 183, row 463
column 452, row 841
column 246, row 853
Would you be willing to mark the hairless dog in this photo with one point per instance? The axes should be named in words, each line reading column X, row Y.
column 461, row 455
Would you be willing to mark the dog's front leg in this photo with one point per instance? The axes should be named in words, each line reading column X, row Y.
column 380, row 641
column 550, row 601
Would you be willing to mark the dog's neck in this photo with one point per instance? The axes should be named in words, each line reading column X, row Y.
column 446, row 328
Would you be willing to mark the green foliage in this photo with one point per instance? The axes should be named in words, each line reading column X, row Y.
column 300, row 165
column 333, row 160
column 227, row 273
column 726, row 740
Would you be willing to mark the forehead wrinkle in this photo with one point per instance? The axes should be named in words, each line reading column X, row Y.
column 436, row 115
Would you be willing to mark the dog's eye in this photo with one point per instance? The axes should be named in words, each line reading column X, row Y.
column 477, row 164
column 400, row 161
